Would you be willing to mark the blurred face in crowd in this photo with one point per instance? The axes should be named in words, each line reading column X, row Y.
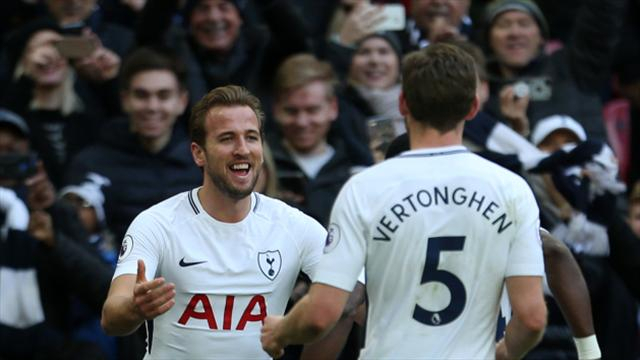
column 557, row 139
column 11, row 143
column 305, row 115
column 232, row 156
column 515, row 39
column 71, row 11
column 375, row 64
column 215, row 25
column 41, row 60
column 153, row 100
column 424, row 12
column 86, row 212
column 634, row 217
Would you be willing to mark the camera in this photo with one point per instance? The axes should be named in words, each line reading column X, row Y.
column 18, row 166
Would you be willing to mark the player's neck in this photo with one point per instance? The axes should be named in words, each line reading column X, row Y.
column 428, row 137
column 222, row 207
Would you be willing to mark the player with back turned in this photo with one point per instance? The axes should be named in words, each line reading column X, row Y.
column 440, row 232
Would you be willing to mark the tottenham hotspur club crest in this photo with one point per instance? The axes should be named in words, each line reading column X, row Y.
column 270, row 263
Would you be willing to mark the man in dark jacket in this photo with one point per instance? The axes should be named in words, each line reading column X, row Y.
column 221, row 46
column 311, row 169
column 565, row 82
column 145, row 157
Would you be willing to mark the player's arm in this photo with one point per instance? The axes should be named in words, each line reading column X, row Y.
column 310, row 319
column 529, row 318
column 562, row 269
column 330, row 346
column 132, row 300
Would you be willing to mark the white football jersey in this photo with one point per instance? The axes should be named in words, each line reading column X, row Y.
column 228, row 276
column 438, row 231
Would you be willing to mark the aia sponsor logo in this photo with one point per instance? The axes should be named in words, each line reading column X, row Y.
column 200, row 308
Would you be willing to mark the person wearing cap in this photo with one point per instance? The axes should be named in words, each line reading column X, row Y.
column 579, row 207
column 567, row 81
column 46, row 257
column 222, row 44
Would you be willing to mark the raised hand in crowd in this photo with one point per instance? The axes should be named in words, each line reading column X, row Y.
column 513, row 105
column 363, row 20
column 101, row 65
column 41, row 193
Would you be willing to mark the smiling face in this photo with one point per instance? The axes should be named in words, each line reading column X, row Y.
column 375, row 64
column 305, row 115
column 424, row 12
column 153, row 100
column 42, row 61
column 215, row 25
column 515, row 39
column 232, row 155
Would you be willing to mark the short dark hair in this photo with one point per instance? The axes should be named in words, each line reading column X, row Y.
column 224, row 96
column 439, row 84
column 148, row 59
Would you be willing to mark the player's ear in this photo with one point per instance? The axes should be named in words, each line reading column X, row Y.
column 475, row 107
column 197, row 152
column 402, row 105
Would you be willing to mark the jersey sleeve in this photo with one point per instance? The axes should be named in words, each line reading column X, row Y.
column 345, row 246
column 313, row 241
column 144, row 240
column 525, row 253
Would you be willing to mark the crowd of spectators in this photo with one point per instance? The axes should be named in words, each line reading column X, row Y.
column 95, row 96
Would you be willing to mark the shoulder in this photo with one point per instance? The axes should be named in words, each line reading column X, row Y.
column 165, row 214
column 277, row 211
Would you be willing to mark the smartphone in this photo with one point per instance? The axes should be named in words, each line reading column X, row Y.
column 395, row 18
column 18, row 166
column 381, row 133
column 74, row 47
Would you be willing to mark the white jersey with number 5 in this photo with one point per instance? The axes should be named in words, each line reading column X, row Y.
column 438, row 230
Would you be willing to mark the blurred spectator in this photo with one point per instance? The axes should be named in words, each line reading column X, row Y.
column 61, row 113
column 97, row 68
column 311, row 170
column 220, row 47
column 42, row 264
column 634, row 209
column 145, row 158
column 566, row 82
column 373, row 85
column 436, row 20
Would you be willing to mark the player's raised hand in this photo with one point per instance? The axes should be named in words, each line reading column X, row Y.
column 152, row 298
column 268, row 337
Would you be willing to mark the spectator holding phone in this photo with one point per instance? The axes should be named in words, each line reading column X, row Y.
column 46, row 255
column 565, row 82
column 61, row 112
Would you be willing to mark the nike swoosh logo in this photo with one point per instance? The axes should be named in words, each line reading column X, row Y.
column 185, row 264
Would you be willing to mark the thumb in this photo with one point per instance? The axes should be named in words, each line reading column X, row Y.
column 141, row 272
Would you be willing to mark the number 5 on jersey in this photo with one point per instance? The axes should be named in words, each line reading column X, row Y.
column 431, row 273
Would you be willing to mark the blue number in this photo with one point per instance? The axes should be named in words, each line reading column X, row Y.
column 435, row 245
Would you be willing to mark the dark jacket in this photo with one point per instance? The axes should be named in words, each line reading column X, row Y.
column 569, row 81
column 319, row 193
column 138, row 179
column 251, row 63
column 70, row 268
